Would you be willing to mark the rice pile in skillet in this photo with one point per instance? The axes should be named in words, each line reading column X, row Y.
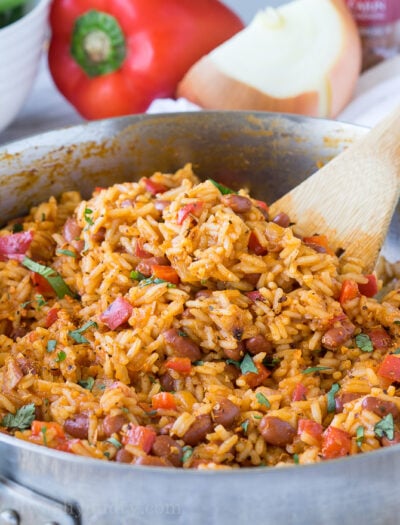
column 170, row 322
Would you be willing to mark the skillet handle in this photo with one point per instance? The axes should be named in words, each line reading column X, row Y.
column 22, row 506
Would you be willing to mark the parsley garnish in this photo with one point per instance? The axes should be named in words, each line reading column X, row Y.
column 313, row 369
column 397, row 351
column 187, row 453
column 43, row 430
column 22, row 419
column 51, row 345
column 360, row 436
column 137, row 276
column 17, row 227
column 233, row 362
column 385, row 427
column 52, row 277
column 296, row 459
column 271, row 362
column 182, row 333
column 331, row 397
column 61, row 356
column 364, row 343
column 397, row 321
column 87, row 216
column 198, row 363
column 245, row 425
column 247, row 365
column 87, row 383
column 263, row 400
column 114, row 442
column 223, row 189
column 77, row 334
column 156, row 280
column 67, row 252
column 41, row 301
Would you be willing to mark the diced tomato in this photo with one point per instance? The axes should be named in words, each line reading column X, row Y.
column 139, row 436
column 183, row 365
column 335, row 443
column 390, row 368
column 254, row 245
column 38, row 426
column 370, row 288
column 166, row 273
column 117, row 313
column 261, row 204
column 348, row 291
column 319, row 243
column 154, row 187
column 51, row 317
column 380, row 338
column 41, row 284
column 255, row 296
column 163, row 400
column 254, row 379
column 140, row 252
column 299, row 392
column 65, row 444
column 193, row 208
column 311, row 427
column 15, row 245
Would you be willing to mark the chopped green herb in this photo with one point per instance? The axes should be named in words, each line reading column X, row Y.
column 77, row 334
column 397, row 321
column 156, row 280
column 70, row 253
column 41, row 301
column 43, row 430
column 360, row 436
column 25, row 304
column 247, row 365
column 182, row 333
column 51, row 345
column 22, row 419
column 271, row 362
column 107, row 454
column 245, row 425
column 87, row 383
column 137, row 276
column 61, row 356
column 43, row 217
column 203, row 282
column 296, row 459
column 313, row 369
column 385, row 427
column 256, row 416
column 364, row 343
column 187, row 453
column 114, row 442
column 17, row 227
column 397, row 351
column 198, row 363
column 331, row 397
column 263, row 400
column 223, row 189
column 87, row 216
column 233, row 362
column 52, row 277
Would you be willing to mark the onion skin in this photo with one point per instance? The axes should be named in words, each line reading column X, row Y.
column 210, row 88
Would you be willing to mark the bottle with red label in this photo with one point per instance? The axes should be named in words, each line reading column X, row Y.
column 379, row 25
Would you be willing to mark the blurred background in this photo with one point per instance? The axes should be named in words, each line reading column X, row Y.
column 247, row 8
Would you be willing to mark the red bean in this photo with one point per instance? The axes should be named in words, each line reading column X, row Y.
column 113, row 424
column 252, row 278
column 276, row 432
column 167, row 382
column 71, row 230
column 197, row 432
column 225, row 413
column 386, row 442
column 237, row 203
column 344, row 398
column 380, row 407
column 123, row 456
column 166, row 447
column 144, row 266
column 182, row 346
column 237, row 353
column 152, row 461
column 258, row 344
column 282, row 219
column 336, row 336
column 77, row 426
column 203, row 294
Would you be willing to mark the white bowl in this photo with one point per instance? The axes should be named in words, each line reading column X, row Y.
column 21, row 44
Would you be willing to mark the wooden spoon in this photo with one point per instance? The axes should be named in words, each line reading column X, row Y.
column 353, row 197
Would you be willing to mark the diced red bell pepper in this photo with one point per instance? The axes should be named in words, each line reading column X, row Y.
column 255, row 246
column 38, row 426
column 380, row 338
column 41, row 284
column 348, row 291
column 319, row 243
column 140, row 436
column 370, row 288
column 254, row 379
column 164, row 400
column 193, row 208
column 390, row 368
column 154, row 187
column 15, row 245
column 299, row 392
column 166, row 273
column 183, row 365
column 311, row 427
column 336, row 443
column 51, row 317
column 117, row 313
column 255, row 296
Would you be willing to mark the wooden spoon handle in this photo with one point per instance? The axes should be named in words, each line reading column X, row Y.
column 353, row 197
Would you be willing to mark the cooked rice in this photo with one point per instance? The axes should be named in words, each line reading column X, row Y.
column 95, row 394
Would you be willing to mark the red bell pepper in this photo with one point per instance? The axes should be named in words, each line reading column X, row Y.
column 390, row 368
column 336, row 443
column 114, row 58
column 163, row 400
column 370, row 288
column 139, row 436
column 183, row 365
column 348, row 291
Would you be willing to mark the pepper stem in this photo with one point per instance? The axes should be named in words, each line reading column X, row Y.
column 98, row 43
